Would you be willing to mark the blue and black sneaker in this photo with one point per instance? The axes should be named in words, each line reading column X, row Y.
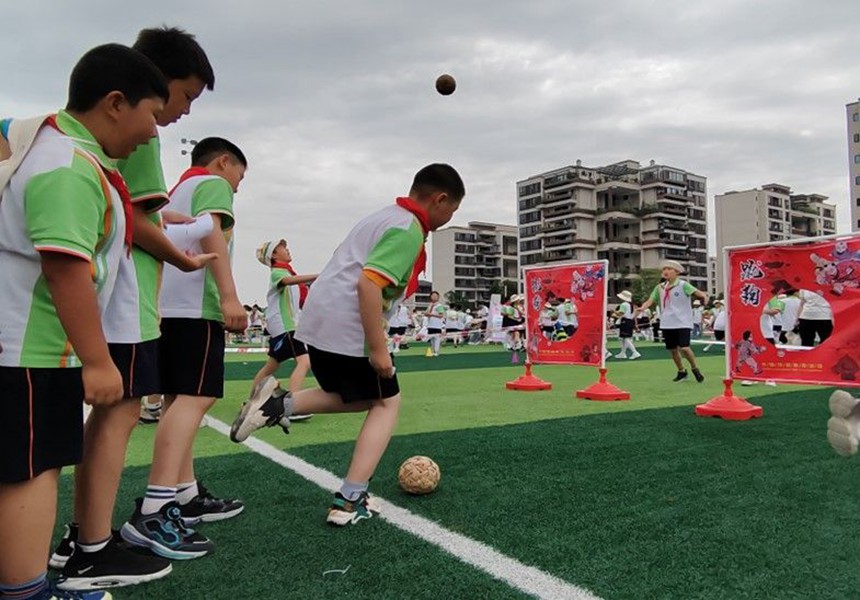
column 165, row 533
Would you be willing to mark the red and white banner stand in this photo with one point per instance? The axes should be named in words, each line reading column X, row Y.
column 820, row 277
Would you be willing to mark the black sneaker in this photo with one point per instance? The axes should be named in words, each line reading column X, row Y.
column 112, row 566
column 698, row 375
column 207, row 508
column 165, row 534
column 65, row 548
column 681, row 376
column 265, row 408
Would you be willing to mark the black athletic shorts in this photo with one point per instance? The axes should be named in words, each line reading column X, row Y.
column 625, row 328
column 676, row 338
column 720, row 335
column 396, row 331
column 433, row 330
column 191, row 356
column 351, row 377
column 285, row 346
column 43, row 421
column 138, row 365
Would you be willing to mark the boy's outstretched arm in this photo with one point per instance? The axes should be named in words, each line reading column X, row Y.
column 235, row 318
column 370, row 308
column 70, row 283
column 151, row 238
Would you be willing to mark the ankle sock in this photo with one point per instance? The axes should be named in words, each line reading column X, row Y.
column 94, row 547
column 156, row 497
column 352, row 490
column 186, row 492
column 23, row 591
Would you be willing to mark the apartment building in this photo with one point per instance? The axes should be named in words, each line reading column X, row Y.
column 469, row 260
column 853, row 118
column 633, row 216
column 769, row 214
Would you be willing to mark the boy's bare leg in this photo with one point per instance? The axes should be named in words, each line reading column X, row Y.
column 27, row 514
column 174, row 440
column 691, row 358
column 97, row 478
column 297, row 378
column 676, row 356
column 319, row 401
column 270, row 368
column 373, row 438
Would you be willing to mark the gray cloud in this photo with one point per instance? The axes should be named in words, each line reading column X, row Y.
column 333, row 101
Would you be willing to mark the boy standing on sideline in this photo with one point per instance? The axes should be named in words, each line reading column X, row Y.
column 371, row 272
column 63, row 231
column 282, row 314
column 676, row 316
column 197, row 308
column 131, row 321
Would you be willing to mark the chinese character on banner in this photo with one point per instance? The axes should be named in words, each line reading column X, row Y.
column 565, row 313
column 792, row 312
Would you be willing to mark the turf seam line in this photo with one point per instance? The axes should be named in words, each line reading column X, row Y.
column 525, row 578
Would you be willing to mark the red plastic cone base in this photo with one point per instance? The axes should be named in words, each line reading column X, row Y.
column 528, row 382
column 603, row 391
column 728, row 406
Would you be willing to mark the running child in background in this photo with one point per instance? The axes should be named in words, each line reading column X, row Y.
column 626, row 324
column 435, row 315
column 676, row 316
column 513, row 318
column 398, row 326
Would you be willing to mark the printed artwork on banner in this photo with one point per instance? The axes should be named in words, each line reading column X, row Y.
column 793, row 312
column 565, row 313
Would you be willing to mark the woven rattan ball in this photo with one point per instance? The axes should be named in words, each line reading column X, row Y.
column 419, row 475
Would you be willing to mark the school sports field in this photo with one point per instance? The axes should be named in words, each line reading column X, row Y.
column 542, row 495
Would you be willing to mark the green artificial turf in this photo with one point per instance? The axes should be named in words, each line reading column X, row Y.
column 633, row 499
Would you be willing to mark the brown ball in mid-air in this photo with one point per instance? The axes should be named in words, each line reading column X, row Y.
column 419, row 475
column 445, row 84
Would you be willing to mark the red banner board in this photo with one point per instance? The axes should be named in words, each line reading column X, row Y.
column 765, row 280
column 570, row 289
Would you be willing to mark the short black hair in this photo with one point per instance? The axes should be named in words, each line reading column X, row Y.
column 210, row 148
column 438, row 177
column 176, row 53
column 114, row 67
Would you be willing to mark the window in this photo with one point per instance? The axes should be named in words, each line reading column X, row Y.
column 855, row 117
column 532, row 188
column 857, row 159
column 858, row 201
column 857, row 138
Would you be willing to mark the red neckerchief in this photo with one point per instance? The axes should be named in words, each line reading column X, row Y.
column 421, row 260
column 188, row 174
column 303, row 287
column 667, row 289
column 118, row 183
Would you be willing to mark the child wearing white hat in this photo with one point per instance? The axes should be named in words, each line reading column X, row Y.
column 676, row 316
column 624, row 314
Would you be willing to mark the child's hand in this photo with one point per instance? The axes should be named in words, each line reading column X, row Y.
column 235, row 317
column 198, row 261
column 382, row 364
column 102, row 384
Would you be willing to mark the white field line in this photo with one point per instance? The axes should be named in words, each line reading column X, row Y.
column 527, row 579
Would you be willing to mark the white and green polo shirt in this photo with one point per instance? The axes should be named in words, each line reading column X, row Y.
column 58, row 200
column 385, row 243
column 195, row 295
column 132, row 315
column 676, row 310
column 435, row 314
column 282, row 308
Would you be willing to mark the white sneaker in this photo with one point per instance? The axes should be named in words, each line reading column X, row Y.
column 843, row 425
column 770, row 383
column 747, row 382
column 635, row 355
column 620, row 355
column 608, row 354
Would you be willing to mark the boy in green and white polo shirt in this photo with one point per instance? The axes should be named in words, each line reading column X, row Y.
column 344, row 323
column 197, row 308
column 282, row 314
column 62, row 233
column 676, row 316
column 131, row 321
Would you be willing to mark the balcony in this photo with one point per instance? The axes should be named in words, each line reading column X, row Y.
column 557, row 255
column 559, row 196
column 671, row 209
column 559, row 210
column 559, row 240
column 563, row 225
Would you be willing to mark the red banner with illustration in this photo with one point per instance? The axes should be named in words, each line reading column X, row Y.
column 793, row 312
column 566, row 313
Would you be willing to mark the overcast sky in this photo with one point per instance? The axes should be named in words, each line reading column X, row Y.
column 334, row 105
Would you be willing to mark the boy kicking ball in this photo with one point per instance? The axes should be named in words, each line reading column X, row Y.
column 343, row 325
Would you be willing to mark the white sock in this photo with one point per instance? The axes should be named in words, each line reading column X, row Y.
column 186, row 492
column 94, row 547
column 156, row 497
